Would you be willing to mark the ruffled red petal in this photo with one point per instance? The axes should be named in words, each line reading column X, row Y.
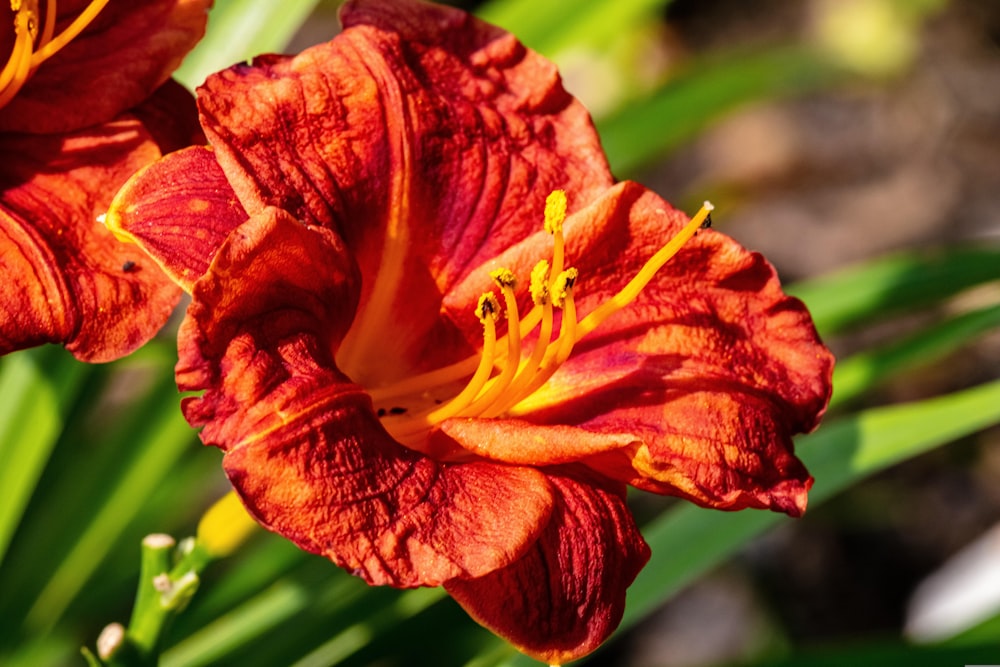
column 66, row 279
column 126, row 53
column 303, row 446
column 564, row 597
column 695, row 389
column 170, row 116
column 180, row 221
column 427, row 139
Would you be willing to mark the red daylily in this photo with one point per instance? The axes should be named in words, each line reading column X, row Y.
column 389, row 388
column 86, row 101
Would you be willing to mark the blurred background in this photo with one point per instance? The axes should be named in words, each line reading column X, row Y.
column 856, row 143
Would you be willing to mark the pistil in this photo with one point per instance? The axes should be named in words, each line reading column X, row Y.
column 33, row 47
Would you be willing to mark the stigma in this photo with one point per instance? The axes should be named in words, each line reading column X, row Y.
column 35, row 41
column 506, row 371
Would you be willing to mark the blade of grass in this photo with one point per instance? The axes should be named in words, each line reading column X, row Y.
column 550, row 27
column 860, row 373
column 321, row 614
column 685, row 105
column 38, row 388
column 154, row 445
column 530, row 20
column 240, row 29
column 230, row 632
column 894, row 283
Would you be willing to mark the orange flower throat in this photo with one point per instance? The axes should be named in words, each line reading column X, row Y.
column 501, row 377
column 35, row 42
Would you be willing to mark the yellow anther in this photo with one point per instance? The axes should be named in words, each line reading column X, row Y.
column 31, row 24
column 555, row 211
column 562, row 286
column 539, row 287
column 555, row 214
column 503, row 277
column 488, row 308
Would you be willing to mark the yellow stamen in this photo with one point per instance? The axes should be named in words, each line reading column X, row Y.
column 557, row 353
column 15, row 72
column 488, row 311
column 513, row 380
column 504, row 278
column 72, row 30
column 50, row 23
column 31, row 49
column 541, row 295
column 555, row 215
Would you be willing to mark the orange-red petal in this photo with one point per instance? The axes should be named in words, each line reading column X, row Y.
column 126, row 53
column 427, row 139
column 695, row 389
column 566, row 595
column 170, row 115
column 303, row 446
column 66, row 278
column 180, row 221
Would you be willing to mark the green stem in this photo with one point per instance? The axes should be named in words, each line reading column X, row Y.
column 164, row 591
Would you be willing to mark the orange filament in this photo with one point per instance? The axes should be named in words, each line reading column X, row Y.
column 504, row 278
column 488, row 310
column 557, row 353
column 500, row 378
column 541, row 296
column 31, row 47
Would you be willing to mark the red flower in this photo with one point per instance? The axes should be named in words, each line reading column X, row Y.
column 358, row 242
column 85, row 101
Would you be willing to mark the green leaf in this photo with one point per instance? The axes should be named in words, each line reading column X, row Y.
column 703, row 93
column 315, row 615
column 894, row 283
column 549, row 27
column 239, row 30
column 38, row 388
column 865, row 370
column 112, row 449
